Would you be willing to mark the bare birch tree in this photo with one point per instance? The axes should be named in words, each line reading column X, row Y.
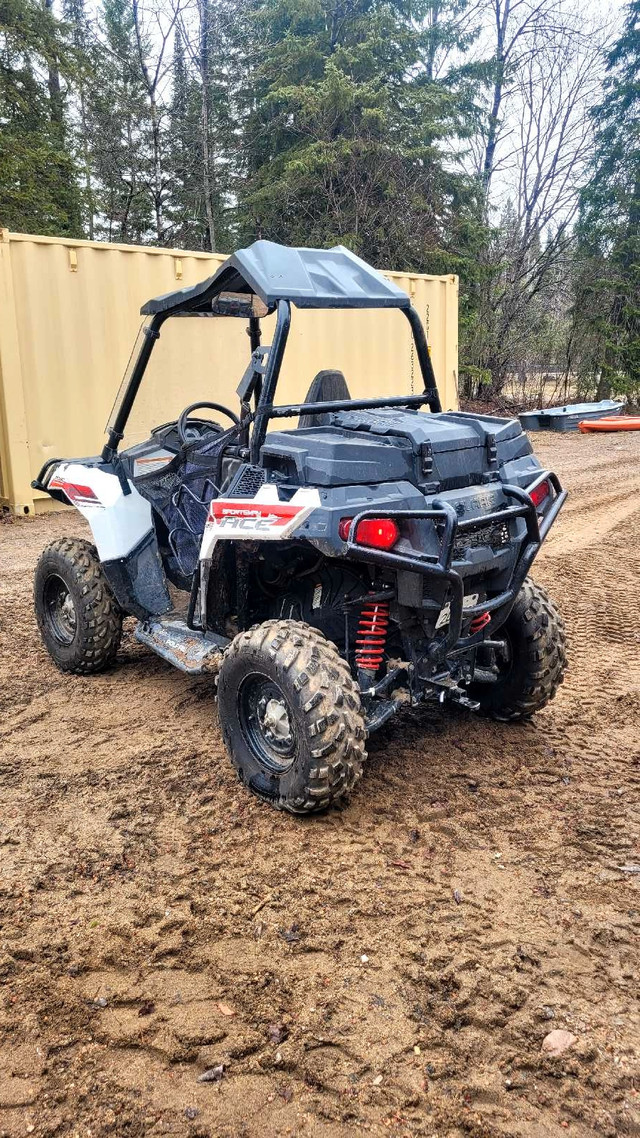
column 535, row 148
column 155, row 23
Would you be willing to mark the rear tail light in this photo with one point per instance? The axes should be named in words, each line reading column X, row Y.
column 539, row 493
column 378, row 533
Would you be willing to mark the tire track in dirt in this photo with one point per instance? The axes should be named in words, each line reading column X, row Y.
column 142, row 890
column 594, row 525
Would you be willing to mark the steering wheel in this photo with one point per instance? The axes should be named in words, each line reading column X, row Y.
column 182, row 423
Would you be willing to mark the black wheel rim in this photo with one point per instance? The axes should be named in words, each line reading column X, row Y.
column 267, row 722
column 60, row 609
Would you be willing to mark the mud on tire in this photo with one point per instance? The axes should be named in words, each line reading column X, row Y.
column 536, row 658
column 290, row 716
column 79, row 620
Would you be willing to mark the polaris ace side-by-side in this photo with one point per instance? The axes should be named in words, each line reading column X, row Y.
column 376, row 555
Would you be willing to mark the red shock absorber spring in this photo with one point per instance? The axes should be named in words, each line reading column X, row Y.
column 372, row 635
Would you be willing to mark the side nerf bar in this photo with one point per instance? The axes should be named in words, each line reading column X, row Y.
column 439, row 567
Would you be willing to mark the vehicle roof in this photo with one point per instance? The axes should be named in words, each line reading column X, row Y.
column 310, row 278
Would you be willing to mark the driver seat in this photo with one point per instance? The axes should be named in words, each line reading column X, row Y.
column 326, row 385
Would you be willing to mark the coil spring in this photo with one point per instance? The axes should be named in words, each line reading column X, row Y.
column 372, row 635
column 479, row 622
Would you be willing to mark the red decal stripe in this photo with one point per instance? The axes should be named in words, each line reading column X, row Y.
column 75, row 492
column 278, row 513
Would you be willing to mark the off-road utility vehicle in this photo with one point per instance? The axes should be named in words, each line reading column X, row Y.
column 374, row 556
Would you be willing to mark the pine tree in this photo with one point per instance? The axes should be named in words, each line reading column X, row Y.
column 345, row 135
column 185, row 216
column 608, row 289
column 119, row 126
column 81, row 35
column 202, row 129
column 39, row 189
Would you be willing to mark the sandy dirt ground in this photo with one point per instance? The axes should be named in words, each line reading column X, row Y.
column 390, row 968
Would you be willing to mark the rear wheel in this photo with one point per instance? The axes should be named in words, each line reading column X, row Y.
column 79, row 620
column 524, row 673
column 290, row 716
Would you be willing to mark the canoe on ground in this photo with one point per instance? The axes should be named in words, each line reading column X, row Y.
column 616, row 423
column 567, row 418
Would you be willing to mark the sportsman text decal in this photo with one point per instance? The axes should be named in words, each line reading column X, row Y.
column 256, row 517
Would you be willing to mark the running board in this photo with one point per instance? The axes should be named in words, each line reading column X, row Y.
column 190, row 651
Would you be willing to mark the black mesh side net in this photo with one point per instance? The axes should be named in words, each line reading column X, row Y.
column 182, row 492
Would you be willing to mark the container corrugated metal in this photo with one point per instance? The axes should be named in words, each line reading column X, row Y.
column 69, row 314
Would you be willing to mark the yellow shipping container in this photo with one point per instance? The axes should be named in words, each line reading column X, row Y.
column 69, row 313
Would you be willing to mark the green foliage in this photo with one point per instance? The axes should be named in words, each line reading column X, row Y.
column 119, row 127
column 208, row 123
column 607, row 311
column 202, row 135
column 38, row 180
column 345, row 136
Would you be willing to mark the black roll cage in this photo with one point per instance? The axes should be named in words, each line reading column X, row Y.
column 262, row 380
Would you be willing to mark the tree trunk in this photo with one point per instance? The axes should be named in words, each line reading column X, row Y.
column 151, row 83
column 603, row 387
column 157, row 169
column 87, row 162
column 53, row 84
column 431, row 50
column 498, row 86
column 336, row 19
column 206, row 160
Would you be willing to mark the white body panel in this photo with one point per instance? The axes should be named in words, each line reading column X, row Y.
column 118, row 521
column 262, row 518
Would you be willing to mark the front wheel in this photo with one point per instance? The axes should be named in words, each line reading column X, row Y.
column 290, row 716
column 79, row 620
column 525, row 669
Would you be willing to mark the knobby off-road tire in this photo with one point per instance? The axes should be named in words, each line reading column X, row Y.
column 290, row 716
column 536, row 658
column 79, row 620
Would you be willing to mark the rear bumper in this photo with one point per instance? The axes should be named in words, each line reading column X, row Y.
column 439, row 568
